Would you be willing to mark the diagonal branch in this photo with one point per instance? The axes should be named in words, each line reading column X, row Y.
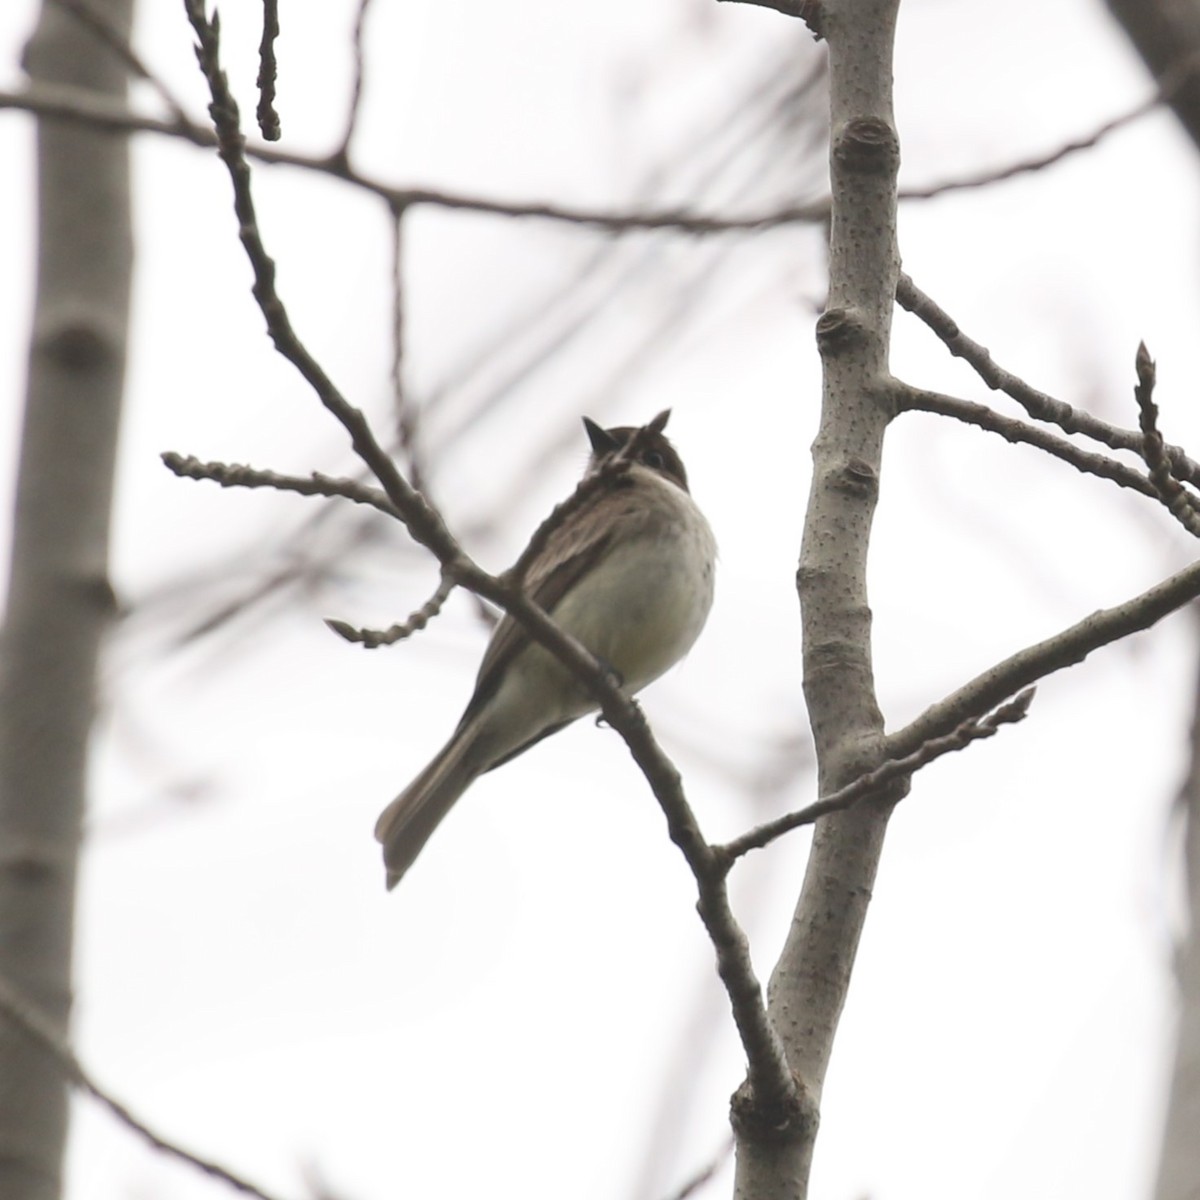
column 1012, row 429
column 1035, row 662
column 229, row 475
column 1038, row 405
column 371, row 639
column 41, row 1030
column 769, row 1073
column 1179, row 502
column 973, row 729
column 358, row 59
column 1171, row 82
column 84, row 107
column 74, row 104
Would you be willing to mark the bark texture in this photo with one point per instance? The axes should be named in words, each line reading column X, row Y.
column 59, row 601
column 809, row 984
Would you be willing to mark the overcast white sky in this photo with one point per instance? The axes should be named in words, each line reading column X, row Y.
column 513, row 1020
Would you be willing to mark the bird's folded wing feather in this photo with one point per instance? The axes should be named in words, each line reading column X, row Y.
column 571, row 550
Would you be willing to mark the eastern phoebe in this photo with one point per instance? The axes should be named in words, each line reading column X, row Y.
column 629, row 572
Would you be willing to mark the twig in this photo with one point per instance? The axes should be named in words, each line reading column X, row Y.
column 1169, row 83
column 1014, row 430
column 86, row 108
column 691, row 1186
column 408, row 503
column 73, row 104
column 774, row 1087
column 973, row 729
column 1180, row 503
column 1037, row 404
column 1072, row 645
column 41, row 1030
column 236, row 475
column 1037, row 162
column 403, row 405
column 356, row 86
column 268, row 70
column 405, row 408
column 371, row 639
column 69, row 105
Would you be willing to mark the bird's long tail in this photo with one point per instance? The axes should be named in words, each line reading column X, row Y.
column 409, row 821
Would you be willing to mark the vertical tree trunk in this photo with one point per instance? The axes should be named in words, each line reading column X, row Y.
column 1166, row 33
column 1179, row 1159
column 808, row 987
column 59, row 602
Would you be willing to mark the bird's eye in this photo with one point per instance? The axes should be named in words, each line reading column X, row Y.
column 655, row 459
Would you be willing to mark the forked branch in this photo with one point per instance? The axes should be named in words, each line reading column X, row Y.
column 774, row 1087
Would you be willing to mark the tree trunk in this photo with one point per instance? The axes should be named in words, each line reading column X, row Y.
column 1166, row 33
column 809, row 984
column 1179, row 1159
column 59, row 601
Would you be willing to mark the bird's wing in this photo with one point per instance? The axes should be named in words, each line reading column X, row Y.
column 571, row 550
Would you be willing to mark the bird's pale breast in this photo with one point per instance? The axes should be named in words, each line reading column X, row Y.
column 642, row 608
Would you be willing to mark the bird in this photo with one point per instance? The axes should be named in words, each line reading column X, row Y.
column 628, row 571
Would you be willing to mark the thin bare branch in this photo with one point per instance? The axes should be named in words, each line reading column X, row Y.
column 1037, row 404
column 85, row 108
column 973, row 729
column 41, row 1030
column 693, row 1185
column 231, row 144
column 705, row 162
column 1037, row 162
column 356, row 85
column 1014, row 430
column 404, row 406
column 73, row 104
column 268, row 72
column 371, row 639
column 1180, row 503
column 89, row 108
column 236, row 475
column 1170, row 83
column 774, row 1087
column 1025, row 668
